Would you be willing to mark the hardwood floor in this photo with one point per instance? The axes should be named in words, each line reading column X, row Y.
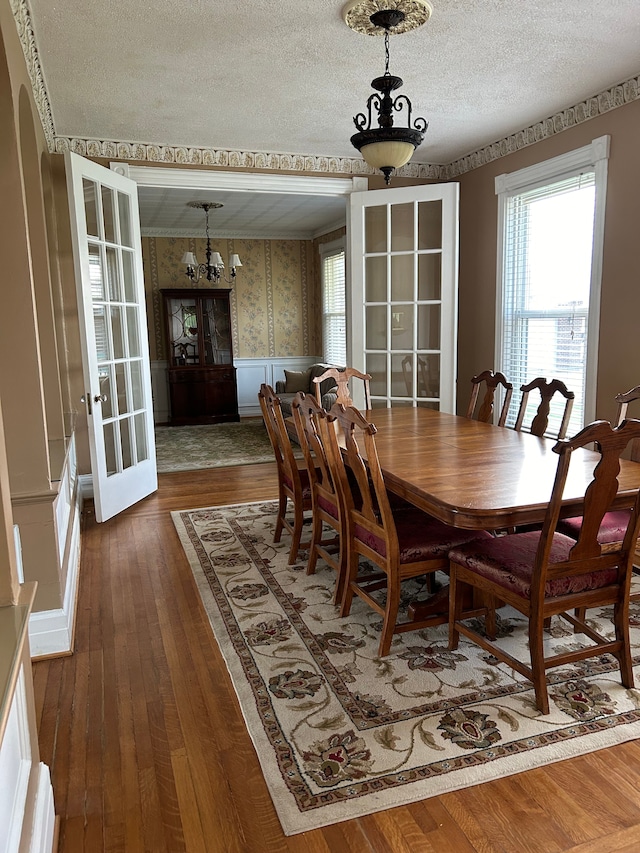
column 148, row 749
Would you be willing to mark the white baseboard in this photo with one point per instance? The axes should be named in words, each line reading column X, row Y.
column 51, row 631
column 85, row 483
column 249, row 411
column 44, row 817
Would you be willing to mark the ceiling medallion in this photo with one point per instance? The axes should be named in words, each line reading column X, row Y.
column 357, row 15
column 387, row 147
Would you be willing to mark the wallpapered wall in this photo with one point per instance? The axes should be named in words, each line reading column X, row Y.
column 275, row 300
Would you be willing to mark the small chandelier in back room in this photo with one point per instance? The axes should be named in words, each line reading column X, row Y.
column 387, row 147
column 213, row 270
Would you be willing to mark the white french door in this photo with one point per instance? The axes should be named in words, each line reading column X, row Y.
column 105, row 229
column 403, row 266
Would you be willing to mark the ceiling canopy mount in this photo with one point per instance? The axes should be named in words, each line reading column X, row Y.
column 387, row 147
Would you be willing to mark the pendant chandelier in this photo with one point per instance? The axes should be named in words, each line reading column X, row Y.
column 387, row 147
column 213, row 269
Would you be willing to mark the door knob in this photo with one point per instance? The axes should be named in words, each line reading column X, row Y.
column 100, row 398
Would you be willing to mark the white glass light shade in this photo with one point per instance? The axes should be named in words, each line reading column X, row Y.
column 190, row 259
column 392, row 154
column 234, row 261
column 216, row 259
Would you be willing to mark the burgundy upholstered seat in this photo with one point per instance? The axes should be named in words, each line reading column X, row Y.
column 508, row 561
column 612, row 529
column 545, row 573
column 401, row 541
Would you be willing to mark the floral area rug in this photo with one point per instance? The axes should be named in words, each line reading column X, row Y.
column 189, row 448
column 340, row 732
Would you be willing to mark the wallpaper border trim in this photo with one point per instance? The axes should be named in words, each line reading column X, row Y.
column 22, row 18
column 610, row 99
column 616, row 96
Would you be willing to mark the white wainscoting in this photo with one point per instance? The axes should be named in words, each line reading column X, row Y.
column 27, row 818
column 252, row 372
column 51, row 631
column 15, row 769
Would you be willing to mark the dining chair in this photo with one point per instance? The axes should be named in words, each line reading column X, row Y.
column 492, row 381
column 293, row 477
column 615, row 522
column 544, row 573
column 423, row 385
column 541, row 419
column 402, row 544
column 326, row 509
column 342, row 379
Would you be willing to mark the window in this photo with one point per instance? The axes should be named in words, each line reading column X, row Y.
column 551, row 219
column 334, row 325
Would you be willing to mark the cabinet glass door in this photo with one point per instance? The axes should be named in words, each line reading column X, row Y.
column 183, row 331
column 216, row 330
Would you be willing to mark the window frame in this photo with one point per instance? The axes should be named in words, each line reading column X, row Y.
column 594, row 156
column 334, row 247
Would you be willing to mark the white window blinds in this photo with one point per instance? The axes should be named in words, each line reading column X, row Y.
column 334, row 328
column 548, row 240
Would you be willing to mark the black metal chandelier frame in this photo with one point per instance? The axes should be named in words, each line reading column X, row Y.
column 212, row 272
column 385, row 104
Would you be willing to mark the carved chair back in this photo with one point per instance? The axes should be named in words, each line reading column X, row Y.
column 547, row 390
column 342, row 379
column 492, row 381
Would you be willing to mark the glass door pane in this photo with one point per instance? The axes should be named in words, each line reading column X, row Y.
column 404, row 293
column 107, row 254
column 407, row 326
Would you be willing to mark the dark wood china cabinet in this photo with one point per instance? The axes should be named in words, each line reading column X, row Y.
column 202, row 378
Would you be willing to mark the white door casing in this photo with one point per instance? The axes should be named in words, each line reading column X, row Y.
column 403, row 318
column 105, row 229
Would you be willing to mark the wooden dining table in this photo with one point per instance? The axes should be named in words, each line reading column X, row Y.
column 479, row 476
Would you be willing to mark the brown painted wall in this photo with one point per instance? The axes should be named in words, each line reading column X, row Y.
column 31, row 355
column 618, row 361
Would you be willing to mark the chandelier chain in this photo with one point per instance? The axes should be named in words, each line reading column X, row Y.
column 386, row 53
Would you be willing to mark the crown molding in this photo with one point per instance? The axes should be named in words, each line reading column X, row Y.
column 617, row 96
column 22, row 17
column 234, row 234
column 327, row 229
column 243, row 234
column 142, row 151
column 610, row 99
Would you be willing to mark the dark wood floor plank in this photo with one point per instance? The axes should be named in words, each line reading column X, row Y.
column 577, row 822
column 194, row 834
column 149, row 751
column 439, row 827
column 607, row 804
column 347, row 836
column 401, row 831
column 48, row 715
column 518, row 821
column 380, row 830
column 625, row 841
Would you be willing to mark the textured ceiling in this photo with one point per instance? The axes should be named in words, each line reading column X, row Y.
column 288, row 77
column 258, row 215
